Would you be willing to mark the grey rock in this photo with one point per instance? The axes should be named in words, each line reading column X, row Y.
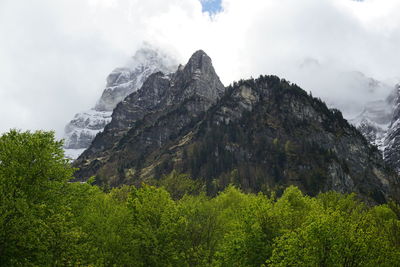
column 380, row 124
column 80, row 132
column 123, row 81
column 159, row 110
column 391, row 150
column 261, row 134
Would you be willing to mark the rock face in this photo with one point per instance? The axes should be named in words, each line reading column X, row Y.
column 375, row 120
column 123, row 81
column 261, row 135
column 80, row 132
column 391, row 148
column 160, row 110
column 380, row 124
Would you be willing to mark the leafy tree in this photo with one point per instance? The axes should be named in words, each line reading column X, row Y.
column 47, row 221
column 153, row 215
column 178, row 185
column 35, row 226
column 338, row 231
column 107, row 222
column 249, row 228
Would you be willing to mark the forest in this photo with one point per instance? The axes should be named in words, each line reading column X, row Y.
column 45, row 220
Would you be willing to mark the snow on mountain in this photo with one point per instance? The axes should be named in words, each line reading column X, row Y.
column 80, row 131
column 391, row 148
column 356, row 95
column 121, row 82
column 124, row 81
column 374, row 121
column 380, row 124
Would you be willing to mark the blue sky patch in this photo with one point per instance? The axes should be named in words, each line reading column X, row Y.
column 211, row 6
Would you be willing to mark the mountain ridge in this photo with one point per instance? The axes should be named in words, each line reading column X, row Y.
column 160, row 95
column 260, row 134
column 82, row 129
column 380, row 124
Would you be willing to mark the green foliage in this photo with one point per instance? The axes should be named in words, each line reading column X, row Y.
column 47, row 221
column 178, row 185
column 35, row 224
column 153, row 218
column 339, row 232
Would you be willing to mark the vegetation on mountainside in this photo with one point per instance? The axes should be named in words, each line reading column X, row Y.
column 47, row 221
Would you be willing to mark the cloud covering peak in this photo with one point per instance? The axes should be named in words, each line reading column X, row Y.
column 55, row 55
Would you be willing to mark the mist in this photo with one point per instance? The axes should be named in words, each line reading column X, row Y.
column 56, row 55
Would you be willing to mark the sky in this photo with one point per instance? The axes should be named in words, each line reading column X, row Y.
column 55, row 55
column 211, row 6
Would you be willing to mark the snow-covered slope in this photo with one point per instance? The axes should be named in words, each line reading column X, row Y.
column 124, row 81
column 79, row 132
column 391, row 147
column 82, row 129
column 380, row 124
column 375, row 120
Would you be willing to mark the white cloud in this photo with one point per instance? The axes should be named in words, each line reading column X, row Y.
column 55, row 55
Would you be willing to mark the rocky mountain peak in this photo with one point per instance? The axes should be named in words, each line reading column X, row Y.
column 121, row 82
column 380, row 124
column 193, row 88
column 263, row 134
column 395, row 103
column 197, row 77
column 199, row 61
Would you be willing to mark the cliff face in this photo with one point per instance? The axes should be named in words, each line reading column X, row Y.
column 391, row 147
column 380, row 124
column 153, row 115
column 124, row 81
column 261, row 135
column 266, row 134
column 81, row 130
column 374, row 121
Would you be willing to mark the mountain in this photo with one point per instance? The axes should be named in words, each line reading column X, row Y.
column 374, row 121
column 380, row 124
column 82, row 129
column 166, row 104
column 391, row 150
column 261, row 135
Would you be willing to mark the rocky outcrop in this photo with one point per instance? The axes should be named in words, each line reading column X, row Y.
column 124, row 81
column 80, row 132
column 267, row 133
column 391, row 148
column 261, row 135
column 380, row 124
column 164, row 106
column 375, row 120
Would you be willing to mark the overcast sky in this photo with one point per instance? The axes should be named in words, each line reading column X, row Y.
column 55, row 54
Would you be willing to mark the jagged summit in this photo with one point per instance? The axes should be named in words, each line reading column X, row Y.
column 198, row 64
column 375, row 120
column 391, row 148
column 200, row 74
column 193, row 88
column 123, row 81
column 261, row 134
column 380, row 124
column 199, row 60
column 80, row 131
